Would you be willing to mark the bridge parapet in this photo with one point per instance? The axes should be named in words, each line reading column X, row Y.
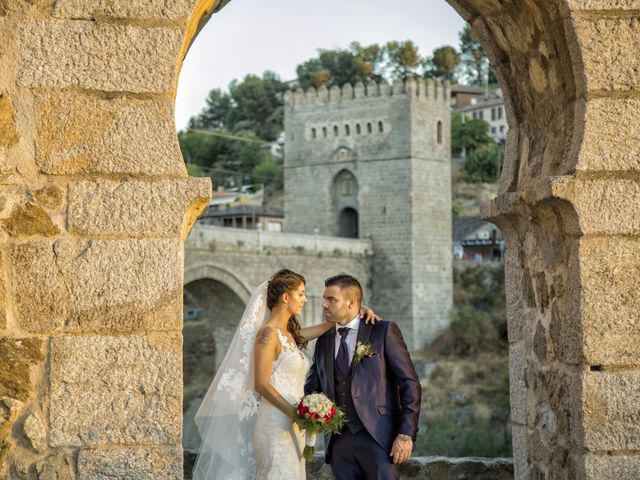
column 214, row 237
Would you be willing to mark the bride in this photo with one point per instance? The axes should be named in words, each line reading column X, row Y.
column 245, row 418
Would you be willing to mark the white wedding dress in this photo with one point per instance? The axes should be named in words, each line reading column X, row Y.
column 243, row 436
column 278, row 443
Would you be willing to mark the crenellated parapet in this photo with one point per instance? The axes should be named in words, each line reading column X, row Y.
column 418, row 88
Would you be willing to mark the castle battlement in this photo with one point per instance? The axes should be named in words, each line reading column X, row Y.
column 322, row 97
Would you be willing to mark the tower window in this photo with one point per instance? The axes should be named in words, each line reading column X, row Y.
column 348, row 187
column 380, row 127
column 324, row 132
column 369, row 129
column 439, row 132
column 347, row 130
column 358, row 132
column 313, row 133
column 335, row 130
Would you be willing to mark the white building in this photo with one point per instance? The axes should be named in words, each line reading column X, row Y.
column 489, row 108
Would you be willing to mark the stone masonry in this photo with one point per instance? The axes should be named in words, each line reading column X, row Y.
column 392, row 144
column 86, row 100
column 95, row 205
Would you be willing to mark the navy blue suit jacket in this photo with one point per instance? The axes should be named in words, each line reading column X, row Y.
column 385, row 387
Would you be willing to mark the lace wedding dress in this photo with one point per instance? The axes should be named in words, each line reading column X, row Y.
column 278, row 444
column 244, row 437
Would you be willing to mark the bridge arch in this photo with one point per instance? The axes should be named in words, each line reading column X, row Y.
column 214, row 271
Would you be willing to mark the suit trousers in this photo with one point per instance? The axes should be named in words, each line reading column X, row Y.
column 357, row 456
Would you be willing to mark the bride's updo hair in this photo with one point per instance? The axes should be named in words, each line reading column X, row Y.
column 286, row 281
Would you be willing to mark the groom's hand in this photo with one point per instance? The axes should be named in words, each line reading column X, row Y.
column 401, row 449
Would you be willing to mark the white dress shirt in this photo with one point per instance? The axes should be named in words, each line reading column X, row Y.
column 352, row 337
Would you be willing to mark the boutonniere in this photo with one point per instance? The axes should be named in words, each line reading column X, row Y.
column 363, row 350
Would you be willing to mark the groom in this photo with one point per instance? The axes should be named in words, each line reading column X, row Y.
column 367, row 371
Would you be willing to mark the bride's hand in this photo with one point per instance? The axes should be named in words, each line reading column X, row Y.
column 369, row 315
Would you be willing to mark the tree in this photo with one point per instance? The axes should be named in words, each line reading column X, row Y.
column 443, row 64
column 475, row 63
column 254, row 104
column 360, row 63
column 337, row 67
column 467, row 134
column 214, row 115
column 484, row 164
column 403, row 59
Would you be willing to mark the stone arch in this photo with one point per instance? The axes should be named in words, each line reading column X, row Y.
column 210, row 270
column 570, row 171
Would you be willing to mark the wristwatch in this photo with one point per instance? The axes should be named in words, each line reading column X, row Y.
column 404, row 437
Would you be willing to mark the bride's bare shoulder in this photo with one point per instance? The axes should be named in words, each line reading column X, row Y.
column 265, row 336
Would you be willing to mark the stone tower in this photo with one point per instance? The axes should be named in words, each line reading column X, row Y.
column 375, row 163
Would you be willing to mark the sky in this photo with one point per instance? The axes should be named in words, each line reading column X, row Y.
column 251, row 36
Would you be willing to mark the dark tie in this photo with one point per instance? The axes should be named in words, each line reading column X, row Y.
column 342, row 360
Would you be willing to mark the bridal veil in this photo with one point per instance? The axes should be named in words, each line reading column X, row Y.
column 227, row 415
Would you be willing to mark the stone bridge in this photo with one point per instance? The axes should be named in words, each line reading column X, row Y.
column 96, row 203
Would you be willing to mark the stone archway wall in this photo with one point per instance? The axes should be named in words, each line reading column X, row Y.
column 568, row 205
column 96, row 203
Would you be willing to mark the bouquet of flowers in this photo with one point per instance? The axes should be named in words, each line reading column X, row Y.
column 317, row 414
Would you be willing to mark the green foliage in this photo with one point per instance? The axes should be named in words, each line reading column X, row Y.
column 443, row 64
column 403, row 59
column 467, row 134
column 451, row 434
column 337, row 67
column 458, row 432
column 196, row 170
column 230, row 159
column 361, row 63
column 484, row 164
column 456, row 208
column 479, row 322
column 269, row 173
column 474, row 61
column 254, row 104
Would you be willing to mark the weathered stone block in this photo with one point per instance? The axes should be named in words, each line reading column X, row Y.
column 618, row 467
column 136, row 208
column 8, row 133
column 96, row 134
column 3, row 294
column 34, row 432
column 610, row 300
column 517, row 386
column 55, row 467
column 99, row 56
column 29, row 219
column 50, row 196
column 17, row 356
column 98, row 286
column 590, row 198
column 149, row 9
column 133, row 463
column 610, row 410
column 116, row 390
column 603, row 4
column 609, row 51
column 519, row 436
column 611, row 136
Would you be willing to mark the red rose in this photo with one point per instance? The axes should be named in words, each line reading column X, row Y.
column 333, row 411
column 327, row 419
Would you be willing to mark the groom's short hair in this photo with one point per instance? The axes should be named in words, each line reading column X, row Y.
column 346, row 282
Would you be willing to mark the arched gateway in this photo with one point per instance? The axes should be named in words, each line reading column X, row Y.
column 97, row 202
